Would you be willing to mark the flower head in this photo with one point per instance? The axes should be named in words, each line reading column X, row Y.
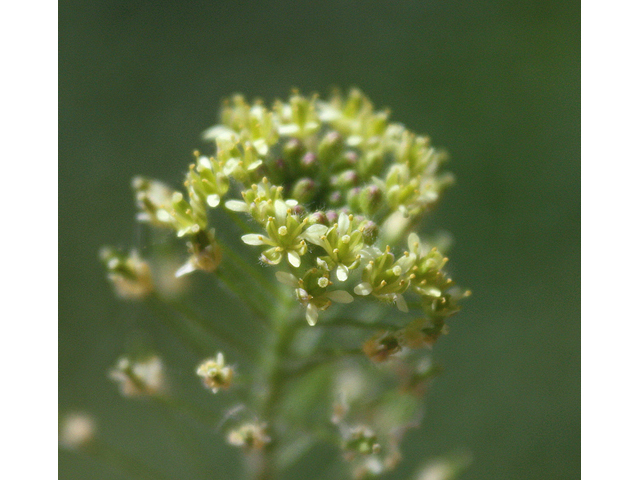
column 215, row 373
column 313, row 292
column 250, row 436
column 77, row 430
column 139, row 378
column 130, row 275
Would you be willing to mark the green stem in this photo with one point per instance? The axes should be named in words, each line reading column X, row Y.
column 272, row 380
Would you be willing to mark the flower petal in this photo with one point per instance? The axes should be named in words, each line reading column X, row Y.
column 401, row 303
column 339, row 296
column 236, row 206
column 287, row 278
column 312, row 314
column 281, row 212
column 218, row 132
column 363, row 289
column 342, row 272
column 254, row 165
column 288, row 129
column 164, row 216
column 213, row 200
column 261, row 146
column 204, row 163
column 253, row 239
column 343, row 224
column 413, row 242
column 406, row 262
column 185, row 269
column 313, row 234
column 294, row 258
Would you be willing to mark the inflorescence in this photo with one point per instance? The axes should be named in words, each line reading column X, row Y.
column 330, row 194
column 330, row 187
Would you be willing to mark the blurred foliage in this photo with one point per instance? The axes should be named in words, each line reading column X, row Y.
column 497, row 83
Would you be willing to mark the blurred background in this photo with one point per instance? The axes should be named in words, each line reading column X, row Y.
column 495, row 82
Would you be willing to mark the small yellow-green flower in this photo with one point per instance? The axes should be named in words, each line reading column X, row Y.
column 215, row 373
column 283, row 235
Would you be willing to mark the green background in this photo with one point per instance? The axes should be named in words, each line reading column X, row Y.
column 496, row 83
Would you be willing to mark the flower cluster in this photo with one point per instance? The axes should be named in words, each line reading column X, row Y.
column 326, row 184
column 328, row 195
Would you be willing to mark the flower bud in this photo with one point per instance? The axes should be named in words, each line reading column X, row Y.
column 381, row 346
column 332, row 216
column 304, row 190
column 206, row 254
column 346, row 179
column 318, row 217
column 369, row 231
column 347, row 160
column 330, row 147
column 293, row 150
column 335, row 198
column 309, row 161
column 370, row 199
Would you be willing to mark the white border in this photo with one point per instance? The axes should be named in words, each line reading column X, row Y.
column 28, row 354
column 610, row 239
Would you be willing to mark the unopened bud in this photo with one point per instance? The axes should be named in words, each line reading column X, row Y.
column 347, row 179
column 370, row 199
column 318, row 217
column 369, row 232
column 304, row 190
column 309, row 160
column 330, row 147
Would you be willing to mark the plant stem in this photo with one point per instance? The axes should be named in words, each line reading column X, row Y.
column 271, row 381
